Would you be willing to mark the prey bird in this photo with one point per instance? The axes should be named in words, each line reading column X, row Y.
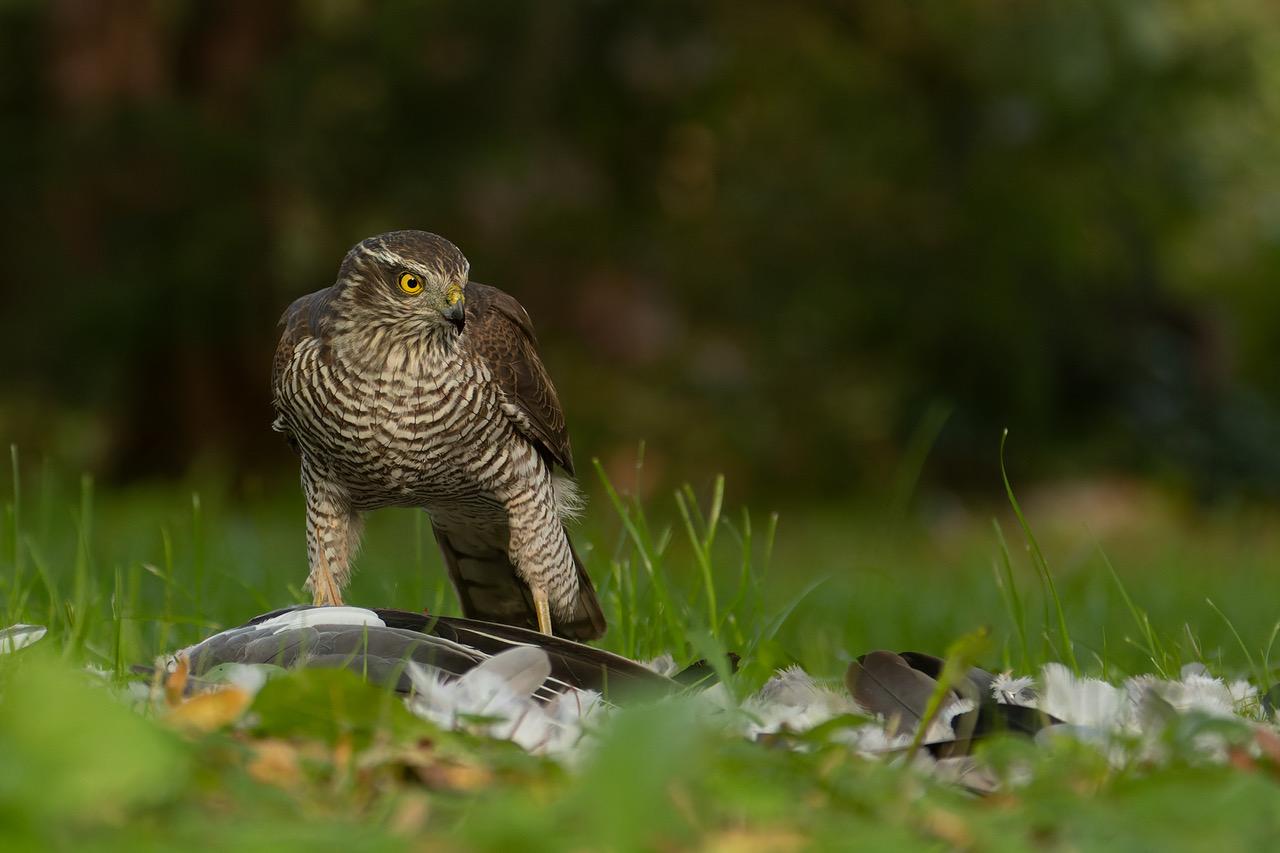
column 406, row 384
column 377, row 643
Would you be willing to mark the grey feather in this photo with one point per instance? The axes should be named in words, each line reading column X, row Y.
column 885, row 684
column 523, row 668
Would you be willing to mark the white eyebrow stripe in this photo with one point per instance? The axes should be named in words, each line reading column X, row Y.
column 388, row 257
column 393, row 259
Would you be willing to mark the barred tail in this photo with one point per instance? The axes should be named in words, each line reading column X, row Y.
column 489, row 589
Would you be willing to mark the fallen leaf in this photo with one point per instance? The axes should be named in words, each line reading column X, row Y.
column 205, row 712
column 1269, row 742
column 275, row 762
column 766, row 840
column 455, row 777
column 410, row 815
column 175, row 685
column 342, row 753
column 1240, row 759
column 683, row 804
column 949, row 827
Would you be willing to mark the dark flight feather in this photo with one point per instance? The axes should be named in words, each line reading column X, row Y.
column 499, row 331
column 884, row 687
column 304, row 318
column 978, row 681
column 885, row 684
column 489, row 588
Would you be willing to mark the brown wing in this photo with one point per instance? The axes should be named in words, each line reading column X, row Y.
column 305, row 318
column 500, row 331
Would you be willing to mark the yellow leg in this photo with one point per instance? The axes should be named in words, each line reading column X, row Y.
column 324, row 588
column 543, row 608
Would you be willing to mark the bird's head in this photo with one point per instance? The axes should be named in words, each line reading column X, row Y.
column 411, row 280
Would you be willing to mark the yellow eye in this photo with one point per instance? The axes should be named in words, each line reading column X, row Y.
column 410, row 283
column 453, row 295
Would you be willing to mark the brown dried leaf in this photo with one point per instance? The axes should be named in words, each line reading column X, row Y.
column 413, row 755
column 342, row 755
column 1269, row 742
column 175, row 685
column 410, row 815
column 949, row 827
column 1240, row 759
column 205, row 712
column 757, row 840
column 275, row 762
column 452, row 776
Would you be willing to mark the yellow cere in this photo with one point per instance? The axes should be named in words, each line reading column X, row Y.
column 453, row 295
column 410, row 283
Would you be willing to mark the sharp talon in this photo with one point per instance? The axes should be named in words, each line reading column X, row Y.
column 331, row 599
column 543, row 609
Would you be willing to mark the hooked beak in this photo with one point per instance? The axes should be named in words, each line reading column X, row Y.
column 457, row 315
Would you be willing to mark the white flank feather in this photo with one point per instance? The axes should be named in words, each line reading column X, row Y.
column 313, row 616
column 568, row 498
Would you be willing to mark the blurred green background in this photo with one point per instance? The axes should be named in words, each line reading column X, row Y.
column 802, row 244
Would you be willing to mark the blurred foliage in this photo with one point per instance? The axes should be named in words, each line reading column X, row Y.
column 771, row 239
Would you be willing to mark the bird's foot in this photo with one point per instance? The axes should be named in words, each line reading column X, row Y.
column 543, row 608
column 323, row 600
column 325, row 591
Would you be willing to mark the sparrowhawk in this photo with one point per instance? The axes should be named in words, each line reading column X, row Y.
column 406, row 384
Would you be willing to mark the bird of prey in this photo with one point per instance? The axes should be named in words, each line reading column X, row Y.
column 406, row 384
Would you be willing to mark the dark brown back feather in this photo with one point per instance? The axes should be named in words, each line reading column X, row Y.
column 305, row 318
column 499, row 331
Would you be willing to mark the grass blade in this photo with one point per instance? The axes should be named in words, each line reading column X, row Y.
column 1042, row 565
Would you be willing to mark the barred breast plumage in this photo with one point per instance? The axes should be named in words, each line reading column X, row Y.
column 404, row 384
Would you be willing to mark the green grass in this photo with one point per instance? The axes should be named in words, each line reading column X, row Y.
column 120, row 576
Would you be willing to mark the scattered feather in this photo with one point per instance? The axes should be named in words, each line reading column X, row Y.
column 522, row 669
column 664, row 665
column 20, row 636
column 1081, row 701
column 1013, row 691
column 514, row 691
column 496, row 699
column 1197, row 692
column 885, row 684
